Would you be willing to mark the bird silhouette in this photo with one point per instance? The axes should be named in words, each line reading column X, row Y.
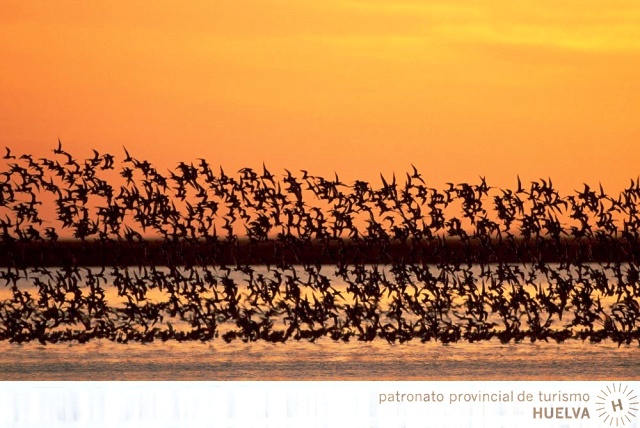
column 468, row 262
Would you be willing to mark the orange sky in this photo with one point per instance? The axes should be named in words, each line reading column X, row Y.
column 459, row 89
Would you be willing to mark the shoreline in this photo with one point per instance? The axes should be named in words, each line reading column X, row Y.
column 295, row 251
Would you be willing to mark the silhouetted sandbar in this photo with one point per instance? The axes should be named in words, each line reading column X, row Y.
column 292, row 251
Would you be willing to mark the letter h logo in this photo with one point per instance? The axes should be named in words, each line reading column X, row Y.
column 618, row 405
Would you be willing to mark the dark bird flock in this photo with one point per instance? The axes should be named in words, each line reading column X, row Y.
column 89, row 251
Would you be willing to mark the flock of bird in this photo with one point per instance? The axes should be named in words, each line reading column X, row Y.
column 45, row 200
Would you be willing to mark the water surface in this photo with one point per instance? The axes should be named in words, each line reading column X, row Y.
column 324, row 360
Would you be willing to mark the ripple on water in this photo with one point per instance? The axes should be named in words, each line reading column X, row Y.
column 324, row 360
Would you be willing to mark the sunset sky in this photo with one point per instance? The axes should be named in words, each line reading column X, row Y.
column 459, row 89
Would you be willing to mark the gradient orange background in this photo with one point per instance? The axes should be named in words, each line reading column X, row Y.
column 459, row 89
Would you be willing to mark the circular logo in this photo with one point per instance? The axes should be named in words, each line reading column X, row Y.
column 617, row 404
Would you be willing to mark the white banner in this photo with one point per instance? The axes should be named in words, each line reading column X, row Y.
column 319, row 404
